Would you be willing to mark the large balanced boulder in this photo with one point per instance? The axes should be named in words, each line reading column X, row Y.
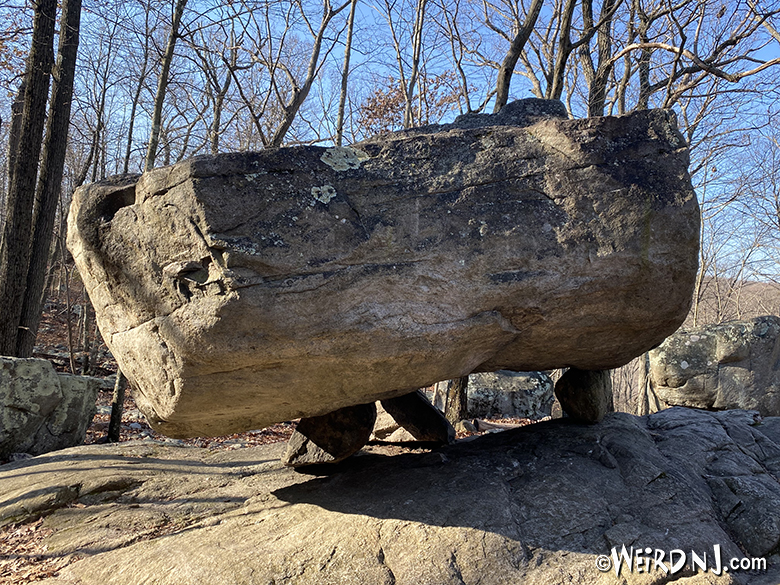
column 535, row 505
column 41, row 410
column 242, row 289
column 717, row 367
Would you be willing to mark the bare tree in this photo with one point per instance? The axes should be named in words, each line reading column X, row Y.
column 162, row 84
column 50, row 179
column 516, row 46
column 299, row 91
column 345, row 74
column 20, row 200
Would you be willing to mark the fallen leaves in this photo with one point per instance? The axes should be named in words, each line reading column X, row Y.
column 23, row 557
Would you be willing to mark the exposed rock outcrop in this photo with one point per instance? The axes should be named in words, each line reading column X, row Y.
column 532, row 505
column 243, row 289
column 717, row 367
column 41, row 410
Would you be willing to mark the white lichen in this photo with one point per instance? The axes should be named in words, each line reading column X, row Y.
column 252, row 176
column 323, row 194
column 343, row 158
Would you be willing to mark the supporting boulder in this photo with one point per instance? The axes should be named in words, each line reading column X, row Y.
column 585, row 396
column 416, row 414
column 330, row 438
column 244, row 289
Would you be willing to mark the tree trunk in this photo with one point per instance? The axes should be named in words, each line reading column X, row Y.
column 409, row 120
column 299, row 94
column 137, row 96
column 17, row 110
column 345, row 75
column 456, row 408
column 50, row 179
column 117, row 405
column 162, row 85
column 17, row 232
column 507, row 68
column 597, row 92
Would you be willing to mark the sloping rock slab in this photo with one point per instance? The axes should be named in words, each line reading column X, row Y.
column 245, row 289
column 727, row 365
column 532, row 505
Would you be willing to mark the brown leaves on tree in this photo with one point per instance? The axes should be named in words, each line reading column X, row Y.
column 383, row 110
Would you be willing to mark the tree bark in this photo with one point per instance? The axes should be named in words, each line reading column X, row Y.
column 17, row 232
column 507, row 68
column 456, row 406
column 17, row 109
column 162, row 85
column 50, row 179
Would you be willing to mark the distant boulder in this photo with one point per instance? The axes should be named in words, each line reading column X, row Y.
column 719, row 367
column 40, row 410
column 510, row 394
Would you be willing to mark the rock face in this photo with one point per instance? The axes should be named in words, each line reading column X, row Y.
column 513, row 394
column 41, row 410
column 730, row 365
column 243, row 289
column 533, row 505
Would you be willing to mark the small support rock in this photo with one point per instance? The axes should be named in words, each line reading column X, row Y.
column 332, row 437
column 585, row 395
column 418, row 416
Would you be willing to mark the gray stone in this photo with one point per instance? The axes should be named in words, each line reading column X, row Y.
column 585, row 396
column 385, row 424
column 533, row 505
column 511, row 394
column 42, row 411
column 420, row 418
column 244, row 289
column 330, row 438
column 719, row 367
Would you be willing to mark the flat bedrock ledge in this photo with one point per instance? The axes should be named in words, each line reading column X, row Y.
column 244, row 289
column 532, row 505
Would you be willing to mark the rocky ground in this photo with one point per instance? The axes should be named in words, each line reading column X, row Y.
column 541, row 504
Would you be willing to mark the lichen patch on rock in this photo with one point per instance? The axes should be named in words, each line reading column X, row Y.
column 343, row 158
column 323, row 194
